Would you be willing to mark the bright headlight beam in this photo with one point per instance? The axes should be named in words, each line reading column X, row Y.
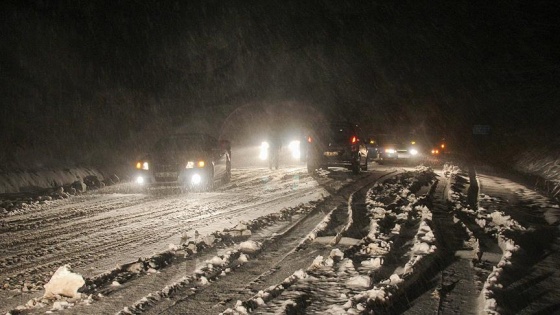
column 196, row 179
column 294, row 149
column 263, row 153
column 140, row 180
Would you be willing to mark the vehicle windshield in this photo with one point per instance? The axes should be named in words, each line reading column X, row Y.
column 184, row 143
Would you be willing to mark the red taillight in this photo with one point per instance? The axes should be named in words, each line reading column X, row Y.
column 354, row 139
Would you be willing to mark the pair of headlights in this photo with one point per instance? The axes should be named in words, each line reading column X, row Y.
column 190, row 164
column 393, row 151
column 293, row 146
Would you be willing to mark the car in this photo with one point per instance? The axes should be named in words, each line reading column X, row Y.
column 336, row 144
column 397, row 149
column 440, row 147
column 188, row 161
column 283, row 146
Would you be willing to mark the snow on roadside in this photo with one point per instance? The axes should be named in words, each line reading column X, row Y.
column 25, row 191
column 35, row 181
column 494, row 223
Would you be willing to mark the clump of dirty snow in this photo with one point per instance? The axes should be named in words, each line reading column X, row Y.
column 249, row 247
column 359, row 282
column 65, row 283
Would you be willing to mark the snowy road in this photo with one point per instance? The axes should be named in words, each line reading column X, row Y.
column 391, row 240
column 96, row 232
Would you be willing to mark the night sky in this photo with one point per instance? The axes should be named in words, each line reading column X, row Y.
column 84, row 81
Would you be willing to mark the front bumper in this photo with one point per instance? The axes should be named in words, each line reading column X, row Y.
column 186, row 178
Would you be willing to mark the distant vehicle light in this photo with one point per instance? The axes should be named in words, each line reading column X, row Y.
column 263, row 154
column 309, row 139
column 413, row 151
column 435, row 151
column 196, row 179
column 443, row 145
column 143, row 166
column 200, row 163
column 294, row 147
column 140, row 180
column 190, row 164
column 412, row 142
column 354, row 139
column 390, row 151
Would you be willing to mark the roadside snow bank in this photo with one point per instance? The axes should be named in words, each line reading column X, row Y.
column 36, row 181
column 494, row 223
column 544, row 164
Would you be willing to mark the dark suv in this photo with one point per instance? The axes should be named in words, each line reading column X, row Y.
column 337, row 144
column 189, row 161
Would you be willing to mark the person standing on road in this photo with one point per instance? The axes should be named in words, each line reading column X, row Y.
column 274, row 150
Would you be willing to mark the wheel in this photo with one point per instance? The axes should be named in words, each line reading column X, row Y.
column 356, row 167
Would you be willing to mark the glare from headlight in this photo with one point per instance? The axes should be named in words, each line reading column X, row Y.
column 196, row 179
column 143, row 166
column 294, row 149
column 413, row 151
column 140, row 180
column 390, row 151
column 263, row 154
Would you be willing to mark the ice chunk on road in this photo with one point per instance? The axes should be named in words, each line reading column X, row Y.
column 422, row 248
column 336, row 254
column 249, row 247
column 359, row 282
column 217, row 261
column 377, row 294
column 372, row 263
column 65, row 283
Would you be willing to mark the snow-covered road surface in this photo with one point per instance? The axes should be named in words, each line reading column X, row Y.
column 391, row 240
column 96, row 232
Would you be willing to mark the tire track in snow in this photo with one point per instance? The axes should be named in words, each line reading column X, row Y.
column 100, row 228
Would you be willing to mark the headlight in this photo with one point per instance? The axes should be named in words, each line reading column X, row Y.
column 200, row 164
column 390, row 151
column 413, row 151
column 263, row 154
column 196, row 179
column 142, row 166
column 140, row 180
column 294, row 149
